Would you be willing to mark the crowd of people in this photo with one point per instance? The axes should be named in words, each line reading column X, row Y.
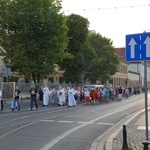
column 69, row 96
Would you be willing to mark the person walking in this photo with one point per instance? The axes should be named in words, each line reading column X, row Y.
column 120, row 92
column 33, row 97
column 126, row 92
column 45, row 95
column 41, row 94
column 2, row 102
column 86, row 96
column 95, row 95
column 61, row 96
column 71, row 99
column 16, row 99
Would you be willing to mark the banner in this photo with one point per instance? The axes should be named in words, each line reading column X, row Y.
column 8, row 90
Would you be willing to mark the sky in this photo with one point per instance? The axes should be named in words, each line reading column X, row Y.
column 113, row 19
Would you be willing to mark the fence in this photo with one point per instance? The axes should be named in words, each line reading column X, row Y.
column 25, row 87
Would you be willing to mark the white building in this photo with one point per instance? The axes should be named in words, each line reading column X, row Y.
column 139, row 68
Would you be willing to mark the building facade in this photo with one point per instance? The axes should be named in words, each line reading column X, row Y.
column 135, row 68
column 121, row 77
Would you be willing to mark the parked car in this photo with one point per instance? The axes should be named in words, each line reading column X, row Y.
column 93, row 86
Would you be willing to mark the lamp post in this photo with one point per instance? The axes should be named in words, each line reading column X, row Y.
column 146, row 143
column 7, row 71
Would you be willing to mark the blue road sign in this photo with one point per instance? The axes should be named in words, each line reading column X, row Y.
column 138, row 47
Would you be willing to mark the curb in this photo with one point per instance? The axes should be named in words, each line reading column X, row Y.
column 109, row 141
column 105, row 141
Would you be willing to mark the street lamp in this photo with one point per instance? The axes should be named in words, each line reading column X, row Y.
column 7, row 71
column 146, row 100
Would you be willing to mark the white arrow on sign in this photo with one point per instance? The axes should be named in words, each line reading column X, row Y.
column 132, row 44
column 147, row 42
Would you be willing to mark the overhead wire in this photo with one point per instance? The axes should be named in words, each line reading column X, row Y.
column 105, row 8
column 99, row 9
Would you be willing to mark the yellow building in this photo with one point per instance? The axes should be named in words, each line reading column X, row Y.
column 121, row 77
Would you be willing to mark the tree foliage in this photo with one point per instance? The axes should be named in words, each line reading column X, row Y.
column 105, row 64
column 79, row 47
column 34, row 36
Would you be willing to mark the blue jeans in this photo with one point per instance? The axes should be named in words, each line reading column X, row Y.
column 18, row 103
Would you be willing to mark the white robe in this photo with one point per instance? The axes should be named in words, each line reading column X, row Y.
column 71, row 99
column 45, row 96
column 61, row 97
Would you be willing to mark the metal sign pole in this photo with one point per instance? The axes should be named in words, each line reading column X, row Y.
column 146, row 103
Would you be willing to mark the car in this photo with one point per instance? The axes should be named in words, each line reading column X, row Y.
column 93, row 86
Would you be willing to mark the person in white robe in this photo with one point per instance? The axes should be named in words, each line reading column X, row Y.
column 61, row 96
column 45, row 96
column 71, row 99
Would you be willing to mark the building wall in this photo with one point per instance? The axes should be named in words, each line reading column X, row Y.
column 136, row 67
column 58, row 76
column 121, row 77
column 134, row 79
column 139, row 68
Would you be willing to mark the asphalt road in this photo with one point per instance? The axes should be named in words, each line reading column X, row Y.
column 62, row 128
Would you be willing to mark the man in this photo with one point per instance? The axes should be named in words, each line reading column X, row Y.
column 120, row 91
column 33, row 97
column 17, row 99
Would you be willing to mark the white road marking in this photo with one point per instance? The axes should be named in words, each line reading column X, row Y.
column 109, row 124
column 62, row 136
column 85, row 122
column 17, row 129
column 95, row 112
column 47, row 120
column 63, row 121
column 77, row 117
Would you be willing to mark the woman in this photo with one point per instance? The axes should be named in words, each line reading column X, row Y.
column 87, row 96
column 95, row 95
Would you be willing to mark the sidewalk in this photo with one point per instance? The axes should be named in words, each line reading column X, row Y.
column 136, row 133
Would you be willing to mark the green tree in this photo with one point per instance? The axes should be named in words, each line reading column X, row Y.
column 34, row 36
column 78, row 46
column 105, row 64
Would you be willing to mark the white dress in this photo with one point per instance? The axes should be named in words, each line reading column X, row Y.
column 45, row 96
column 61, row 97
column 71, row 99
